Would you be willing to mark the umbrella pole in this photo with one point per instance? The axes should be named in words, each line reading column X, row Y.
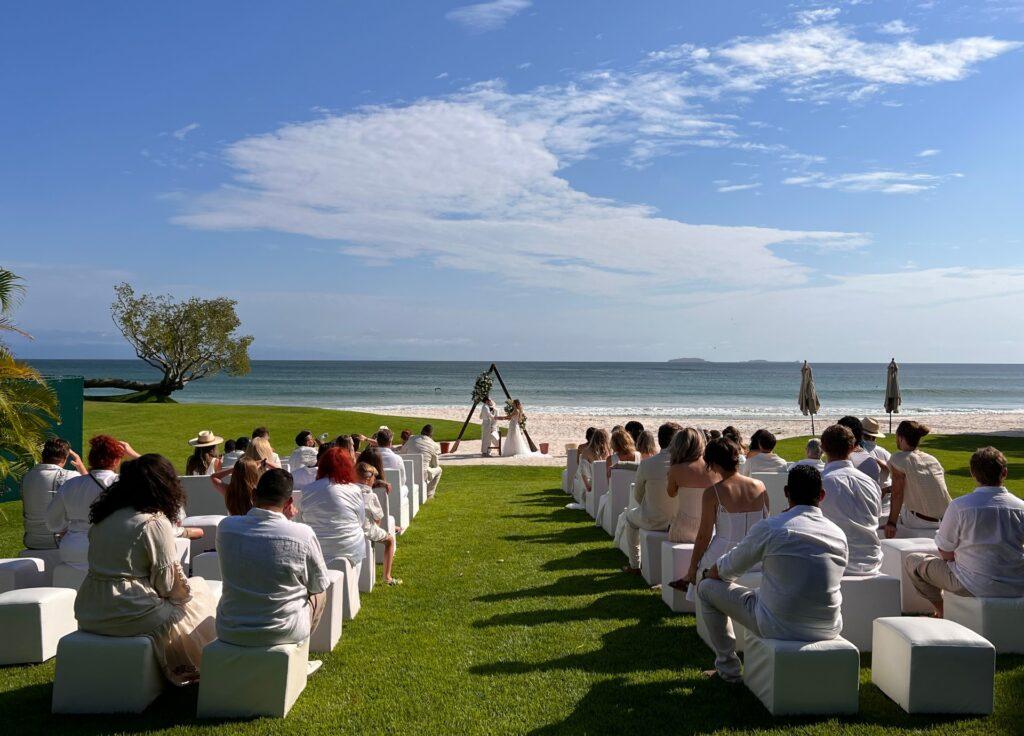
column 812, row 423
column 890, row 422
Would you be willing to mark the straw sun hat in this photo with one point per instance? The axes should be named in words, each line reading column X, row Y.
column 871, row 428
column 206, row 438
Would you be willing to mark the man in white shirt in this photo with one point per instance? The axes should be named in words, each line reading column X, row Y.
column 40, row 485
column 390, row 459
column 761, row 457
column 852, row 502
column 813, row 453
column 655, row 509
column 273, row 571
column 863, row 460
column 304, row 454
column 872, row 433
column 423, row 444
column 980, row 540
column 234, row 455
column 803, row 557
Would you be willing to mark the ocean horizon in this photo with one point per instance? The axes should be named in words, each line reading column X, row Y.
column 697, row 389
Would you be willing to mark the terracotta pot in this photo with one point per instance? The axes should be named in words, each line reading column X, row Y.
column 445, row 446
column 544, row 448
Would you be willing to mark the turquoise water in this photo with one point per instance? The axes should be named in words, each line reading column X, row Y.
column 704, row 389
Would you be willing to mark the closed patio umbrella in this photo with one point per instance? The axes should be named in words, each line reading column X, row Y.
column 893, row 398
column 808, row 398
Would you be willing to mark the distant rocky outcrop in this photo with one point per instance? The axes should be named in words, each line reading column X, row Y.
column 687, row 360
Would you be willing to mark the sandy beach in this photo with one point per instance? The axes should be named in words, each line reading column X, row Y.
column 557, row 429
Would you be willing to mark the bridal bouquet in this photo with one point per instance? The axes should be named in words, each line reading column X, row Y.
column 482, row 388
column 510, row 409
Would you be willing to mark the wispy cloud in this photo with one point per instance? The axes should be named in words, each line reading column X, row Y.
column 725, row 188
column 896, row 28
column 885, row 182
column 928, row 152
column 817, row 15
column 180, row 133
column 488, row 16
column 442, row 75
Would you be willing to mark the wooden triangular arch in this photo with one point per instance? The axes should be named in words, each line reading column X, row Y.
column 493, row 369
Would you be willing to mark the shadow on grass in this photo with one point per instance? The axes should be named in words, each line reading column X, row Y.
column 599, row 559
column 569, row 585
column 612, row 607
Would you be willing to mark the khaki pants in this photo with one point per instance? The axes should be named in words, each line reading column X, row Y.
column 718, row 601
column 317, row 604
column 931, row 575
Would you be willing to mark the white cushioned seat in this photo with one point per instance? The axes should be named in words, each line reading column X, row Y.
column 797, row 677
column 618, row 497
column 328, row 631
column 368, row 570
column 398, row 498
column 207, row 565
column 50, row 558
column 216, row 589
column 243, row 682
column 930, row 665
column 201, row 498
column 866, row 598
column 33, row 620
column 184, row 550
column 598, row 487
column 569, row 475
column 105, row 674
column 1000, row 620
column 350, row 586
column 894, row 551
column 208, row 523
column 650, row 555
column 65, row 576
column 21, row 572
column 675, row 561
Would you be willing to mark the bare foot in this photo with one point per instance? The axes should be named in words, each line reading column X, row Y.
column 716, row 675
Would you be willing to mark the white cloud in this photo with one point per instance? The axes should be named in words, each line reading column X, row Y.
column 886, row 182
column 180, row 133
column 896, row 28
column 817, row 15
column 488, row 16
column 926, row 153
column 725, row 188
column 442, row 75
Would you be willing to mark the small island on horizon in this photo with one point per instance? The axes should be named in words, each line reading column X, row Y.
column 687, row 360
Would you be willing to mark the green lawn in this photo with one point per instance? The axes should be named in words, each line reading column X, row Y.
column 514, row 619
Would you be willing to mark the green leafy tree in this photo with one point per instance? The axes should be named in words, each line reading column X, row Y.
column 185, row 341
column 28, row 407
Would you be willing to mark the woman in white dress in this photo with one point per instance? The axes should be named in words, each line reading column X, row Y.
column 515, row 443
column 728, row 509
column 596, row 450
column 688, row 476
column 204, row 460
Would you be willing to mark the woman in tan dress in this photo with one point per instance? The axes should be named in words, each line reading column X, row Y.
column 135, row 585
column 919, row 493
column 688, row 476
column 623, row 451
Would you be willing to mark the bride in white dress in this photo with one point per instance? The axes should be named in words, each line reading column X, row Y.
column 515, row 443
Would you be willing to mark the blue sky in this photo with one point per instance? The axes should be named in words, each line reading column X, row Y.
column 531, row 180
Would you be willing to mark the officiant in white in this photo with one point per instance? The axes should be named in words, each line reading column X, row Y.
column 489, row 438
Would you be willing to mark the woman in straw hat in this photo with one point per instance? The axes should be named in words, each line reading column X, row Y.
column 204, row 460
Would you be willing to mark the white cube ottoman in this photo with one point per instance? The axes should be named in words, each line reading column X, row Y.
column 328, row 632
column 33, row 620
column 368, row 570
column 1000, row 620
column 208, row 523
column 350, row 586
column 21, row 572
column 930, row 665
column 242, row 682
column 866, row 598
column 206, row 565
column 894, row 551
column 50, row 558
column 184, row 549
column 65, row 576
column 650, row 555
column 105, row 674
column 675, row 562
column 796, row 677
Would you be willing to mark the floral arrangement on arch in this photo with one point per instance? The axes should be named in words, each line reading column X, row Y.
column 509, row 408
column 482, row 387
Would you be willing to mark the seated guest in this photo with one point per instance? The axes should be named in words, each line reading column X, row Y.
column 634, row 429
column 596, row 450
column 802, row 556
column 346, row 443
column 304, row 454
column 262, row 434
column 587, row 435
column 233, row 453
column 655, row 509
column 390, row 459
column 872, row 433
column 688, row 476
column 260, row 451
column 204, row 460
column 305, row 473
column 729, row 508
column 370, row 456
column 919, row 495
column 761, row 457
column 238, row 491
column 372, row 528
column 358, row 440
column 274, row 576
column 423, row 444
column 406, row 434
column 852, row 502
column 813, row 454
column 68, row 512
column 980, row 540
column 863, row 460
column 38, row 487
column 731, row 433
column 135, row 585
column 332, row 506
column 647, row 445
column 622, row 451
column 714, row 434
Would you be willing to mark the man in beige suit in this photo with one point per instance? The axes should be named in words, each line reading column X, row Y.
column 655, row 509
column 423, row 444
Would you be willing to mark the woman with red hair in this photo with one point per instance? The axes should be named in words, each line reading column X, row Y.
column 333, row 506
column 68, row 513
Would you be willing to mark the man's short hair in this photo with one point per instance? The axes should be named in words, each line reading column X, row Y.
column 303, row 437
column 261, row 432
column 428, row 430
column 229, row 446
column 803, row 487
column 56, row 451
column 666, row 432
column 762, row 440
column 988, row 466
column 854, row 425
column 241, row 444
column 838, row 442
column 344, row 442
column 274, row 488
column 814, row 448
column 384, row 437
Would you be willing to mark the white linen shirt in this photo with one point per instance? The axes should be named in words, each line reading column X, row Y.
column 391, row 460
column 270, row 566
column 657, row 509
column 69, row 510
column 985, row 531
column 882, row 456
column 230, row 458
column 853, row 502
column 763, row 462
column 803, row 557
column 818, row 465
column 335, row 512
column 38, row 488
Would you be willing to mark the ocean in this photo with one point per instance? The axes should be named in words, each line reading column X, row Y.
column 753, row 389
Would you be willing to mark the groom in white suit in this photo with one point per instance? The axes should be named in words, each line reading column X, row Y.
column 488, row 428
